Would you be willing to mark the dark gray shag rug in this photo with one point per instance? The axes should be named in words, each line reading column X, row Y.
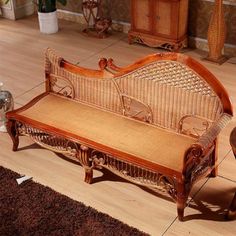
column 33, row 209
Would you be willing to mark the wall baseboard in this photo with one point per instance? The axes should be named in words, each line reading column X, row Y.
column 79, row 18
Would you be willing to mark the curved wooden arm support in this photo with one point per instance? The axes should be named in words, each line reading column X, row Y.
column 192, row 157
column 198, row 165
column 200, row 159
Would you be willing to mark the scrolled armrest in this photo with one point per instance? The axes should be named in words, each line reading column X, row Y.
column 196, row 156
column 210, row 135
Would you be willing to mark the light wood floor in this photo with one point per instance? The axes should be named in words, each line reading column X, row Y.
column 22, row 72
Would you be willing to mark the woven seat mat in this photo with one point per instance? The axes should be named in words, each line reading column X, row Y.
column 126, row 135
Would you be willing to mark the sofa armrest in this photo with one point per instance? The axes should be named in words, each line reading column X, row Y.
column 210, row 135
column 196, row 161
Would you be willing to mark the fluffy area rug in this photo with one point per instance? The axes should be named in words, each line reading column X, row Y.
column 33, row 209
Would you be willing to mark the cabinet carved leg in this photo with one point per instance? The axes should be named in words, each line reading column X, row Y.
column 130, row 39
column 12, row 131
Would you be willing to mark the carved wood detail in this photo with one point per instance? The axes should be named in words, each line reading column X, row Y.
column 90, row 159
column 61, row 85
column 168, row 45
column 197, row 165
column 193, row 125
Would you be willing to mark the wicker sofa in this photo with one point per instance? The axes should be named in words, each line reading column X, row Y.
column 154, row 122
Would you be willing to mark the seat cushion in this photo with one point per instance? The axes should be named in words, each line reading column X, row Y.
column 123, row 134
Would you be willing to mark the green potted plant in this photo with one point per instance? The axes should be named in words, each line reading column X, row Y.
column 47, row 15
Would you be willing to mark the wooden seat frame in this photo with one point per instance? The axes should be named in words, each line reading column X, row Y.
column 200, row 158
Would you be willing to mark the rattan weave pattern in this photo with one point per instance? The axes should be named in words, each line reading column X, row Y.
column 174, row 74
column 101, row 93
column 170, row 103
column 170, row 89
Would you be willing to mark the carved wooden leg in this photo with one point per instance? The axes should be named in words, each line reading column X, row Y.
column 181, row 200
column 12, row 131
column 84, row 155
column 214, row 172
column 231, row 214
column 88, row 175
column 180, row 207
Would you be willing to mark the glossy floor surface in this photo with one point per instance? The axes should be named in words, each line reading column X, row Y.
column 22, row 49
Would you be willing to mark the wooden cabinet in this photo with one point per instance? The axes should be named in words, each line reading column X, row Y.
column 159, row 23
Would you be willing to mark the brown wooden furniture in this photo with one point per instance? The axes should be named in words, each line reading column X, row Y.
column 231, row 214
column 159, row 23
column 154, row 122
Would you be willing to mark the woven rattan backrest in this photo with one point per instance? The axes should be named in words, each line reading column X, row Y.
column 172, row 91
column 87, row 86
column 158, row 91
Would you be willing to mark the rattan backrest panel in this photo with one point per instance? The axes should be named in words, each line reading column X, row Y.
column 173, row 73
column 172, row 90
column 99, row 92
column 169, row 89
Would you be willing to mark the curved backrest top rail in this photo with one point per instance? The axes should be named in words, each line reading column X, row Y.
column 76, row 69
column 109, row 70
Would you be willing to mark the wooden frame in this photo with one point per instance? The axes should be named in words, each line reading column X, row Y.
column 159, row 23
column 170, row 73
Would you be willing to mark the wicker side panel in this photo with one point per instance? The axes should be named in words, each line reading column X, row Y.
column 51, row 59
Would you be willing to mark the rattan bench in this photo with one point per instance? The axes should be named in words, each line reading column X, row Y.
column 154, row 122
